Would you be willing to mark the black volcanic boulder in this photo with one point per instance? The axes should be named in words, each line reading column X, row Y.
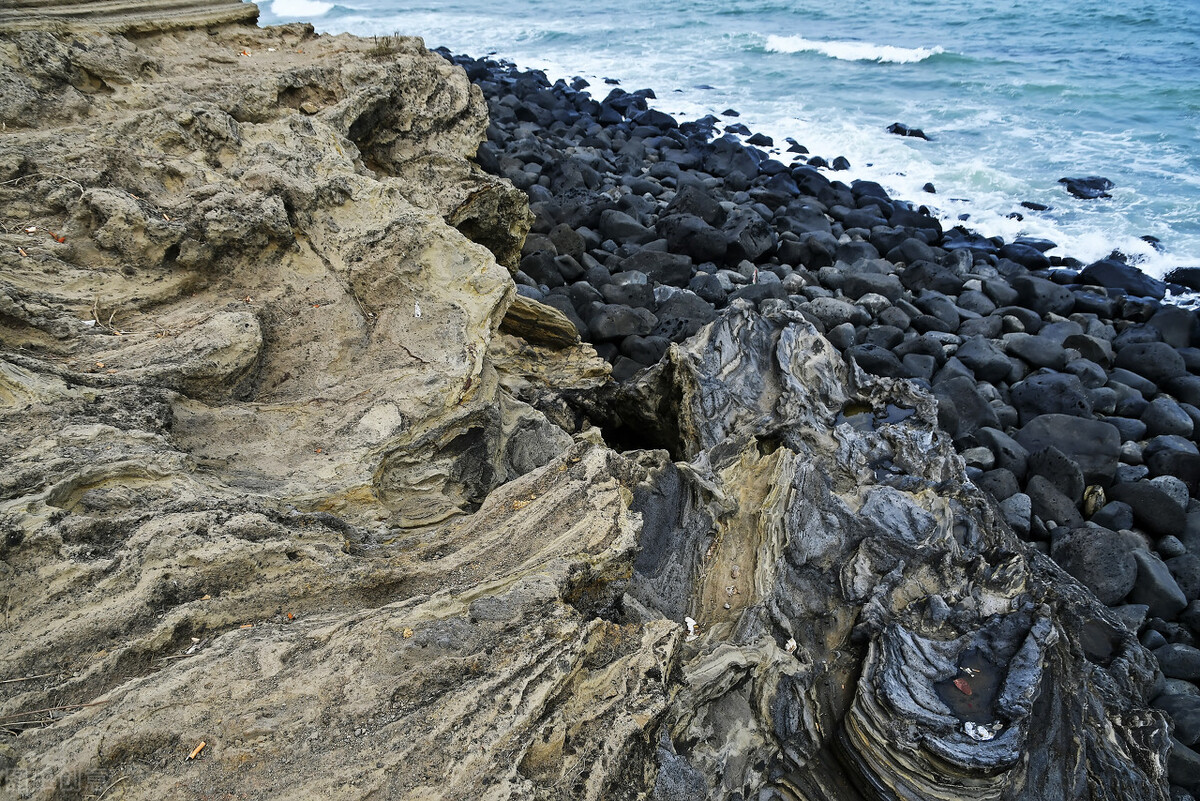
column 1153, row 509
column 617, row 322
column 1043, row 296
column 1094, row 445
column 877, row 361
column 749, row 236
column 681, row 315
column 1088, row 188
column 621, row 227
column 1053, row 465
column 1050, row 504
column 927, row 275
column 629, row 294
column 660, row 267
column 985, row 360
column 691, row 199
column 1185, row 276
column 900, row 129
column 861, row 283
column 1037, row 351
column 1100, row 559
column 1010, row 454
column 692, row 236
column 1114, row 273
column 1178, row 327
column 972, row 410
column 1184, row 711
column 1156, row 361
column 1157, row 589
column 1050, row 393
column 1025, row 255
column 656, row 119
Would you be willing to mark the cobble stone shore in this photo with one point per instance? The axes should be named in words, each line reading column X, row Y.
column 1072, row 390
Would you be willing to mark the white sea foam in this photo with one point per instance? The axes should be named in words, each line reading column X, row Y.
column 300, row 8
column 852, row 51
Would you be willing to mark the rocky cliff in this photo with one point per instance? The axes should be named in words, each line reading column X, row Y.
column 300, row 500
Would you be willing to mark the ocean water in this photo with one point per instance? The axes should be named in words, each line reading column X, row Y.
column 1013, row 95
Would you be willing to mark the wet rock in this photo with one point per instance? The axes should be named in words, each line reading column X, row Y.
column 1089, row 188
column 1114, row 273
column 900, row 129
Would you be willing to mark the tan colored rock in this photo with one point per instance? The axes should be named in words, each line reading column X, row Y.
column 122, row 17
column 245, row 380
column 539, row 323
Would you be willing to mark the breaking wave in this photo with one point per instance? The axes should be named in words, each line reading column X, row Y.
column 852, row 51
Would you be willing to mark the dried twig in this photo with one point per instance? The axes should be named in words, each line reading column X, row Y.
column 49, row 709
column 29, row 678
column 33, row 175
column 104, row 792
column 112, row 329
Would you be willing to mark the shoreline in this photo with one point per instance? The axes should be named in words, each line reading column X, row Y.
column 986, row 191
column 1072, row 391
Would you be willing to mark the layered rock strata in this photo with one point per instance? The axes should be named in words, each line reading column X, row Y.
column 121, row 17
column 300, row 502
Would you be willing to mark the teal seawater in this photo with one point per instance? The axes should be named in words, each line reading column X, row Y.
column 1014, row 95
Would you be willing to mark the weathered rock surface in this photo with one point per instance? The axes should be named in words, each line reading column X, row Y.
column 278, row 482
column 118, row 17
